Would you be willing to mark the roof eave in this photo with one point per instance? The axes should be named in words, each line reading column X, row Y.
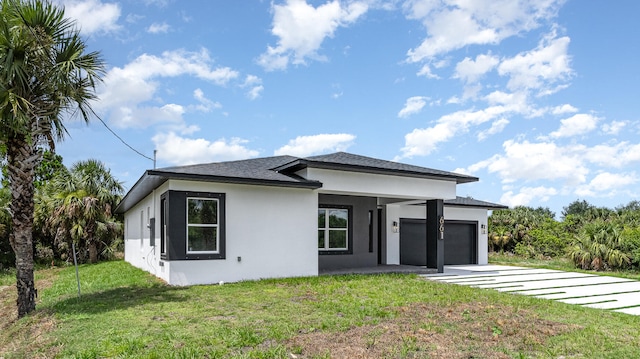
column 299, row 164
column 152, row 179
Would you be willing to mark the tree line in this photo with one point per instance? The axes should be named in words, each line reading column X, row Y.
column 596, row 238
column 72, row 206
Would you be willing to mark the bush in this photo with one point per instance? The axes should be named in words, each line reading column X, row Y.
column 548, row 240
column 631, row 244
column 600, row 246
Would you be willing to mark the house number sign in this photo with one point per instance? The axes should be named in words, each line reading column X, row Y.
column 441, row 229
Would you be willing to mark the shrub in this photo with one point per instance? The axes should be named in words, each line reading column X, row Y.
column 600, row 246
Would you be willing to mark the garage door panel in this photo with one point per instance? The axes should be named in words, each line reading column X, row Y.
column 460, row 243
column 460, row 246
column 413, row 247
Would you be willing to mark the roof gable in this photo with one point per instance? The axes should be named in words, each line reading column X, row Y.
column 356, row 163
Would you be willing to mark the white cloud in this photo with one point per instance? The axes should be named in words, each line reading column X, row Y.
column 540, row 69
column 606, row 184
column 205, row 105
column 303, row 146
column 93, row 16
column 301, row 29
column 470, row 70
column 578, row 124
column 157, row 28
column 125, row 89
column 184, row 151
column 561, row 110
column 609, row 155
column 423, row 141
column 254, row 83
column 525, row 161
column 413, row 106
column 614, row 127
column 527, row 195
column 572, row 164
column 426, row 72
column 454, row 24
column 496, row 127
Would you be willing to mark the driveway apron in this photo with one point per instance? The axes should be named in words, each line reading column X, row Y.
column 589, row 290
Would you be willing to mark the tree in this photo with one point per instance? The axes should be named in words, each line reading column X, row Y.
column 7, row 258
column 577, row 208
column 599, row 246
column 47, row 75
column 78, row 207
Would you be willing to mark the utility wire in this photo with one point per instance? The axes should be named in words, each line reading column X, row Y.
column 121, row 140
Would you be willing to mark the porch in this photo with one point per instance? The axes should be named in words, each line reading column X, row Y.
column 381, row 269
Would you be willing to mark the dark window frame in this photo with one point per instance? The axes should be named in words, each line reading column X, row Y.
column 204, row 225
column 173, row 226
column 349, row 249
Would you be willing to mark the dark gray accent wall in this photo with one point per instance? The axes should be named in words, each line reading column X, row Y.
column 360, row 256
column 176, row 226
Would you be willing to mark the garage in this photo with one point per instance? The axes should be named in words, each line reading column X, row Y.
column 460, row 243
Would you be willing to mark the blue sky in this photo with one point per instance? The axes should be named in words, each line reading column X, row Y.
column 536, row 98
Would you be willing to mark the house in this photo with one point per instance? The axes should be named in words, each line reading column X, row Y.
column 286, row 216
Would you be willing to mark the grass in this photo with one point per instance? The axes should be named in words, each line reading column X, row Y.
column 126, row 313
column 560, row 263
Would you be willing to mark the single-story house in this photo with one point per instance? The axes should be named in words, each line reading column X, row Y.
column 286, row 216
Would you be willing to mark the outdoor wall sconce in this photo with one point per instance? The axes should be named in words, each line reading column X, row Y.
column 394, row 227
column 483, row 229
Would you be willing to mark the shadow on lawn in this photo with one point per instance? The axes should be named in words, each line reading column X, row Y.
column 119, row 298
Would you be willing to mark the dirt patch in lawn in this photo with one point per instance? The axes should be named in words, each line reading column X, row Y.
column 470, row 330
column 26, row 337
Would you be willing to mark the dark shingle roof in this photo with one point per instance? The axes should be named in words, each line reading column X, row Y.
column 470, row 202
column 356, row 163
column 258, row 169
column 277, row 171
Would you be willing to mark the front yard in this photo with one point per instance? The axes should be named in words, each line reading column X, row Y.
column 127, row 313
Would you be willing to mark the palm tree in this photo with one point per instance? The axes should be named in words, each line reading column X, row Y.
column 599, row 246
column 80, row 206
column 46, row 75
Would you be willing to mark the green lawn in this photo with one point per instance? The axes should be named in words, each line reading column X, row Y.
column 559, row 263
column 126, row 313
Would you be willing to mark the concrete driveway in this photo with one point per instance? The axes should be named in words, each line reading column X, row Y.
column 590, row 290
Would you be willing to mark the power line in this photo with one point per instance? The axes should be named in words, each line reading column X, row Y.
column 123, row 141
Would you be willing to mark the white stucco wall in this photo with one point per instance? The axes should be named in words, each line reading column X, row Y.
column 375, row 185
column 395, row 212
column 273, row 230
column 138, row 251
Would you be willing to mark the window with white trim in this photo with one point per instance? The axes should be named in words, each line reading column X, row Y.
column 333, row 229
column 202, row 225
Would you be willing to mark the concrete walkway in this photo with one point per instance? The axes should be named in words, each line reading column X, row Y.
column 590, row 290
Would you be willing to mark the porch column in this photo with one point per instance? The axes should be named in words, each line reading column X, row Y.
column 435, row 238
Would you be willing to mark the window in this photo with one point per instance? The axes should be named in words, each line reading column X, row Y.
column 141, row 228
column 163, row 225
column 202, row 225
column 334, row 230
column 192, row 225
